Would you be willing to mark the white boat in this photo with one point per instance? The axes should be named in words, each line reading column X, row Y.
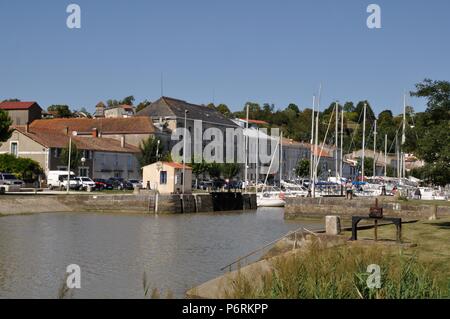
column 270, row 200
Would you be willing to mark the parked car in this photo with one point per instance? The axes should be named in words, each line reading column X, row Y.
column 135, row 183
column 85, row 182
column 58, row 179
column 10, row 179
column 120, row 184
column 102, row 184
column 204, row 185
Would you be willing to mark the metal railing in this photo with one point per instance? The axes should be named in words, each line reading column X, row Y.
column 293, row 233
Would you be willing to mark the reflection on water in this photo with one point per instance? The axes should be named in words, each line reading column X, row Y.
column 177, row 252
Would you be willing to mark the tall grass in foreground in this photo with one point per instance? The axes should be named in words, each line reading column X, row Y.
column 340, row 273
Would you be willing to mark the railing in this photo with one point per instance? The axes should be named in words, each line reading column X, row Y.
column 294, row 233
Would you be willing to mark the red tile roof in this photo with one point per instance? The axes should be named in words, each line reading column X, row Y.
column 255, row 121
column 176, row 165
column 50, row 138
column 17, row 105
column 131, row 125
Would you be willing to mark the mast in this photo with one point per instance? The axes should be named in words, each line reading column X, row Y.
column 385, row 154
column 337, row 140
column 342, row 143
column 257, row 159
column 375, row 150
column 281, row 158
column 246, row 149
column 403, row 136
column 363, row 143
column 316, row 143
column 311, row 164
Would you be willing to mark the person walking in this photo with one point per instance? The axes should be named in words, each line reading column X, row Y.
column 418, row 193
column 349, row 189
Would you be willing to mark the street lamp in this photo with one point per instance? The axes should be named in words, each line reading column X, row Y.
column 184, row 148
column 74, row 133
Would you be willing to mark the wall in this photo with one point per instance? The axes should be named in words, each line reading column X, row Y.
column 142, row 203
column 301, row 207
column 123, row 165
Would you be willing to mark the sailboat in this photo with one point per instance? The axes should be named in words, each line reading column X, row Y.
column 271, row 196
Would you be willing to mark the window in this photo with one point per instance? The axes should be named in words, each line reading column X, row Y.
column 14, row 148
column 83, row 171
column 57, row 152
column 163, row 178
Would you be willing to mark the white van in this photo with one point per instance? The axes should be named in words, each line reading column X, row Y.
column 58, row 179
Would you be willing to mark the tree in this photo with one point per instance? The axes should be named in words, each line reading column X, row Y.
column 214, row 170
column 62, row 111
column 129, row 100
column 142, row 105
column 149, row 149
column 230, row 170
column 294, row 108
column 223, row 108
column 5, row 126
column 303, row 168
column 199, row 168
column 349, row 107
column 75, row 156
column 432, row 131
column 11, row 100
column 23, row 168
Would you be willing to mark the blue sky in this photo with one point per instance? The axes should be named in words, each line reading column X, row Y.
column 235, row 51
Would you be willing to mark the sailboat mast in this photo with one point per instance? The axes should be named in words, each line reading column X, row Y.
column 281, row 158
column 385, row 154
column 246, row 148
column 316, row 148
column 404, row 136
column 311, row 164
column 342, row 144
column 363, row 143
column 375, row 150
column 257, row 158
column 337, row 140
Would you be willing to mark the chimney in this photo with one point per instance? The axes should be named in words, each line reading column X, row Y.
column 122, row 141
column 94, row 132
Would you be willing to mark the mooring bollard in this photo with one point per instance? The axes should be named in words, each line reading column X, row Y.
column 333, row 225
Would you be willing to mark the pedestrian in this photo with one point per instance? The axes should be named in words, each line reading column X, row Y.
column 349, row 189
column 418, row 193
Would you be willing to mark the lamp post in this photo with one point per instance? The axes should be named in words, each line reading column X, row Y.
column 184, row 148
column 74, row 133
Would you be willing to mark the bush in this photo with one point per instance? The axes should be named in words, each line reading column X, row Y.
column 23, row 168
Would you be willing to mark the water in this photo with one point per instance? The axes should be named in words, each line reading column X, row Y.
column 177, row 252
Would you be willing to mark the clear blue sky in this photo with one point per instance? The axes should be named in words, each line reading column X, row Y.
column 263, row 51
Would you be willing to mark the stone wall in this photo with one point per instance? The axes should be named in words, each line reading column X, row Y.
column 301, row 207
column 140, row 203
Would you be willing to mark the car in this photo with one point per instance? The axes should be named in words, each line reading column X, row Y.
column 10, row 179
column 102, row 184
column 135, row 183
column 58, row 179
column 120, row 184
column 85, row 183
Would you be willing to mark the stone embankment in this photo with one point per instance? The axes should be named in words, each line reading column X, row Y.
column 298, row 208
column 128, row 203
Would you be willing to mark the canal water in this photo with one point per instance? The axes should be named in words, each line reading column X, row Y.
column 176, row 252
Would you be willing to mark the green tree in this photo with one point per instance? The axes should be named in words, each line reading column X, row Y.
column 11, row 100
column 148, row 151
column 303, row 168
column 75, row 156
column 223, row 108
column 214, row 170
column 142, row 105
column 199, row 168
column 62, row 111
column 5, row 126
column 230, row 170
column 23, row 168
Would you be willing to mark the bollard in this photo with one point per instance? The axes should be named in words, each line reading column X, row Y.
column 333, row 225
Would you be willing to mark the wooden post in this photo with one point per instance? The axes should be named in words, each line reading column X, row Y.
column 376, row 229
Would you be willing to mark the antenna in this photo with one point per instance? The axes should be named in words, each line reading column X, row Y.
column 162, row 84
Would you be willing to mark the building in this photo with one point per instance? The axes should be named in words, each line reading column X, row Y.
column 352, row 159
column 100, row 110
column 22, row 113
column 119, row 111
column 103, row 157
column 132, row 130
column 167, row 177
